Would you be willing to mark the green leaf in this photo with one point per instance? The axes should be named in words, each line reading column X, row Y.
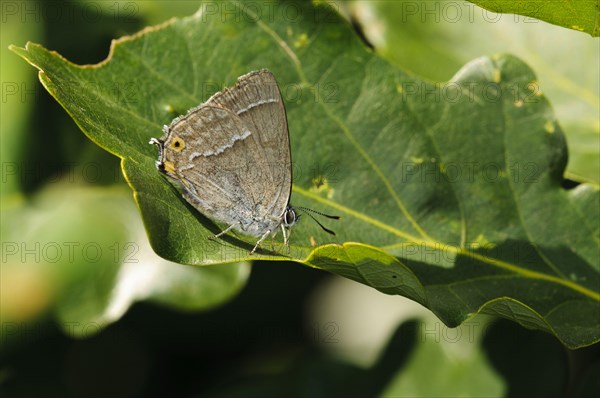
column 580, row 15
column 450, row 194
column 435, row 45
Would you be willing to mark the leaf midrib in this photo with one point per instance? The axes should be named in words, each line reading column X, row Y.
column 436, row 245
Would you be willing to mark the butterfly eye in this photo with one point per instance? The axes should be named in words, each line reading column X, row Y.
column 289, row 217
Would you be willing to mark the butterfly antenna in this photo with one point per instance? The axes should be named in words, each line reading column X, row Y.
column 308, row 211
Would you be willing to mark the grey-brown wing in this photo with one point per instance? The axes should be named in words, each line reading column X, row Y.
column 257, row 101
column 215, row 158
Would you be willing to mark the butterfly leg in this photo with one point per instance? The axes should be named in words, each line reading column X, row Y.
column 229, row 228
column 259, row 242
column 286, row 237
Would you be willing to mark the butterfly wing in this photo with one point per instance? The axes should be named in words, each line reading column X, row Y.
column 257, row 101
column 232, row 155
